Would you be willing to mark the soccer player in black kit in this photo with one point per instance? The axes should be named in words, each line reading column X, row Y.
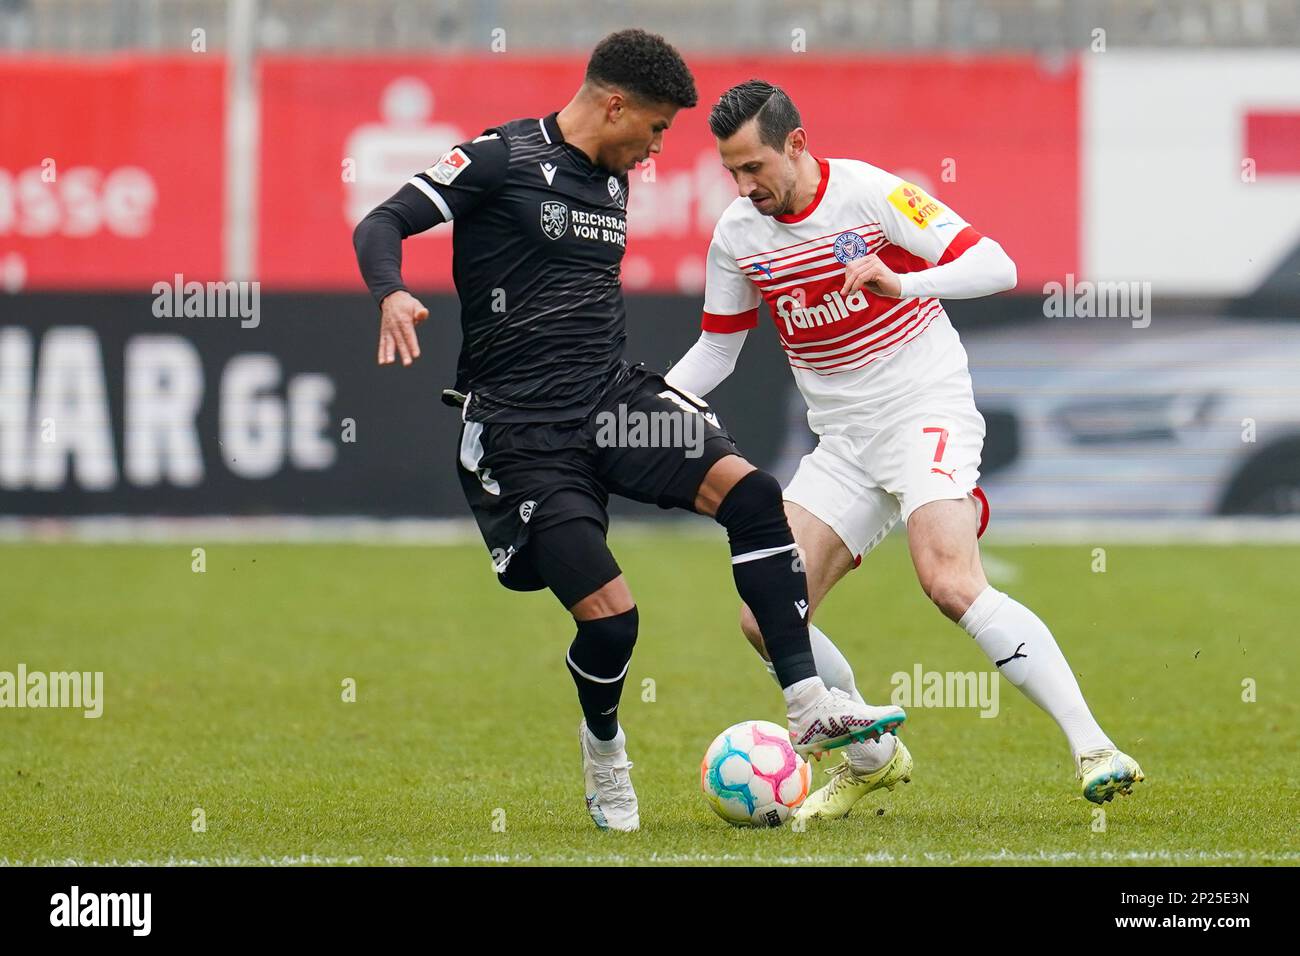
column 538, row 206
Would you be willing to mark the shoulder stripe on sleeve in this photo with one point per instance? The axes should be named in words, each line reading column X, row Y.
column 959, row 244
column 432, row 193
column 740, row 322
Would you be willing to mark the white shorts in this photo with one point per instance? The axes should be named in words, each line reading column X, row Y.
column 923, row 447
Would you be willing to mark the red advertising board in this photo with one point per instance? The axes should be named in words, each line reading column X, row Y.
column 110, row 170
column 995, row 138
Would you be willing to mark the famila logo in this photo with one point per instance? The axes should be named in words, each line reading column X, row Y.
column 833, row 307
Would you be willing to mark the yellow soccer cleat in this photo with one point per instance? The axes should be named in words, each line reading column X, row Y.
column 1106, row 773
column 846, row 787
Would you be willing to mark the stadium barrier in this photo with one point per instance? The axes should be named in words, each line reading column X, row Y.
column 107, row 407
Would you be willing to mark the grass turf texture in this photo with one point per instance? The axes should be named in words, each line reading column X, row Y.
column 223, row 692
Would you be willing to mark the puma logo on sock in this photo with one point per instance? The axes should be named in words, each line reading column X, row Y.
column 1007, row 660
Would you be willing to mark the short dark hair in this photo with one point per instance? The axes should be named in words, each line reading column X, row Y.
column 777, row 115
column 645, row 65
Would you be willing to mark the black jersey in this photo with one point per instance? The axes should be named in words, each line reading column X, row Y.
column 539, row 235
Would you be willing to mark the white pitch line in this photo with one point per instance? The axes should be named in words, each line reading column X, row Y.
column 918, row 859
column 442, row 532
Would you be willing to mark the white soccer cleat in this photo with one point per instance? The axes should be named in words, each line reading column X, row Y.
column 836, row 719
column 1107, row 772
column 611, row 801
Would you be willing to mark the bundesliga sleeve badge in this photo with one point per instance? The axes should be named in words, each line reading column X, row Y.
column 452, row 164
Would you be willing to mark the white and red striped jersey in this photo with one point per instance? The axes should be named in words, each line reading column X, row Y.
column 851, row 352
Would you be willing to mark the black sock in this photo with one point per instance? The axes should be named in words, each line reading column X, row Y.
column 598, row 660
column 769, row 575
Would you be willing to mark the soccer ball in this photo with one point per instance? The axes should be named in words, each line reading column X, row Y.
column 752, row 777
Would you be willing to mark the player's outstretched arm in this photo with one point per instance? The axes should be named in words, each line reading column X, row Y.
column 730, row 311
column 399, row 314
column 464, row 177
column 708, row 362
column 967, row 265
column 378, row 244
column 981, row 269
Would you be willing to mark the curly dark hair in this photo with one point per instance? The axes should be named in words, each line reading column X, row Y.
column 777, row 115
column 645, row 65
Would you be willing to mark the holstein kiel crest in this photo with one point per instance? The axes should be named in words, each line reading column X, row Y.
column 555, row 219
column 849, row 246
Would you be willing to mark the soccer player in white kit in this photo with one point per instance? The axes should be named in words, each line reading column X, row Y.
column 852, row 262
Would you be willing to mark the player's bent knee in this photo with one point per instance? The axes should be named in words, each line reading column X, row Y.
column 613, row 598
column 756, row 499
column 754, row 517
column 951, row 591
column 603, row 646
column 616, row 630
column 726, row 473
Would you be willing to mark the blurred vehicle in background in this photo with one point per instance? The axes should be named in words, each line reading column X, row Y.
column 1191, row 417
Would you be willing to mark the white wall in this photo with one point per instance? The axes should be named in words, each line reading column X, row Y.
column 1163, row 141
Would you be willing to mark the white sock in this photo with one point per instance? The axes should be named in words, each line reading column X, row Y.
column 802, row 694
column 835, row 671
column 608, row 748
column 1007, row 631
column 832, row 666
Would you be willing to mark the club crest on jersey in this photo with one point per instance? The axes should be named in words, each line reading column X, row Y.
column 849, row 246
column 555, row 219
column 615, row 191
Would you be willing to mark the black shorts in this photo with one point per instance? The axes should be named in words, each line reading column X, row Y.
column 644, row 440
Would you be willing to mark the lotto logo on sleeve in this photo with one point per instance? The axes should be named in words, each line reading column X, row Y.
column 913, row 203
column 451, row 165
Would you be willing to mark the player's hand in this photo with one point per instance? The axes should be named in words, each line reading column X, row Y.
column 873, row 275
column 399, row 314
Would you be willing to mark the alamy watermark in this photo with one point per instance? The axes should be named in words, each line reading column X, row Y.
column 79, row 690
column 683, row 427
column 922, row 688
column 1099, row 300
column 128, row 910
column 208, row 300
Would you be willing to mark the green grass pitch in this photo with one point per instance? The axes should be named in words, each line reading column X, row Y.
column 224, row 693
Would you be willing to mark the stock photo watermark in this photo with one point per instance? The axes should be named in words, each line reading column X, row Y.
column 922, row 688
column 127, row 910
column 683, row 428
column 208, row 300
column 1085, row 299
column 74, row 690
